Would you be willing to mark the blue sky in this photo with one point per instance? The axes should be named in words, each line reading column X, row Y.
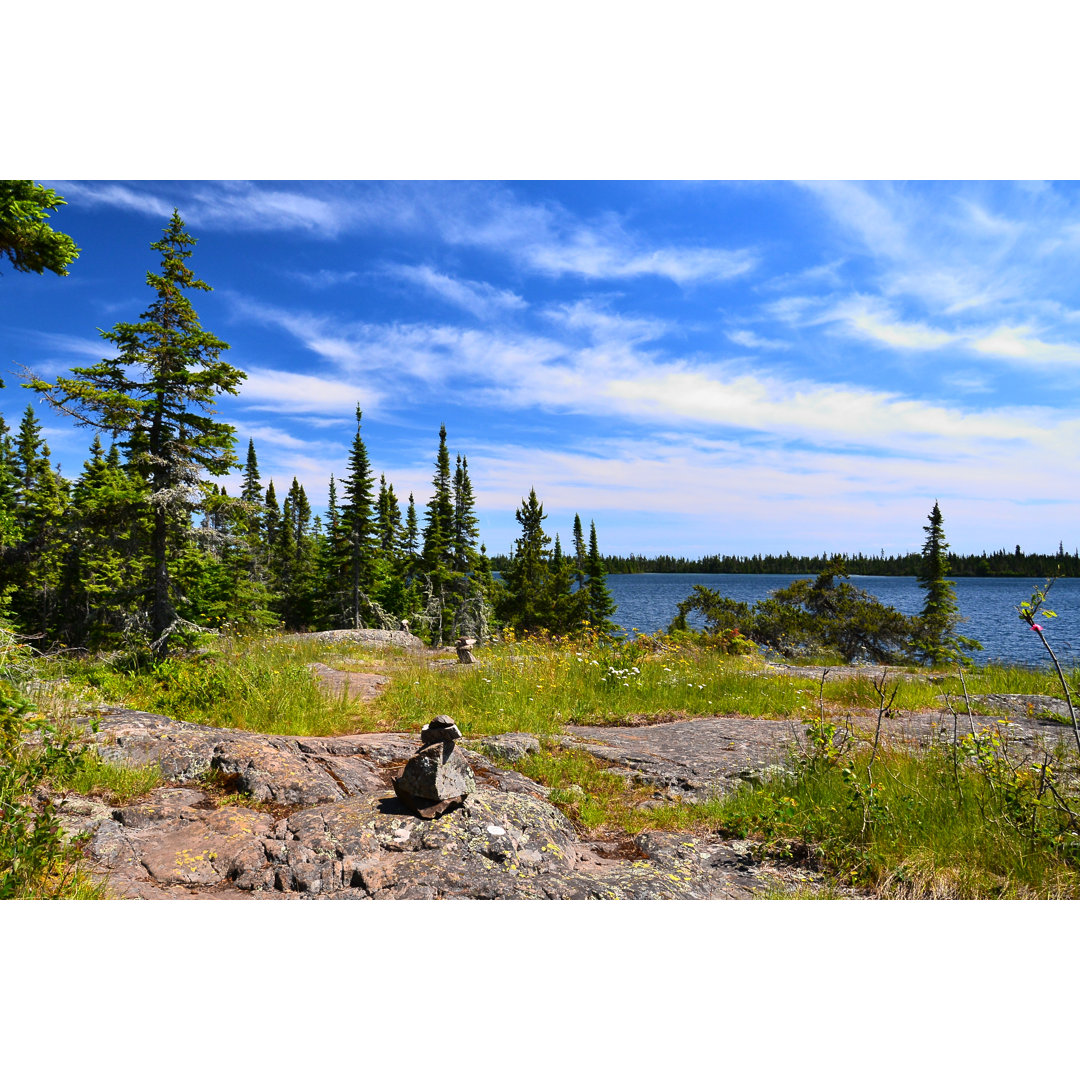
column 700, row 367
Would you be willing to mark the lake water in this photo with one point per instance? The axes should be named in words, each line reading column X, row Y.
column 647, row 602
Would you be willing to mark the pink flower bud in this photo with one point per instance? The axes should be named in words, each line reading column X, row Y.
column 1036, row 627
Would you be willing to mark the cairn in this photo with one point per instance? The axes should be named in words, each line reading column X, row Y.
column 436, row 778
column 464, row 647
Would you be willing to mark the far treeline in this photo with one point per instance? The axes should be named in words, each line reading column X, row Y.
column 1001, row 563
column 145, row 547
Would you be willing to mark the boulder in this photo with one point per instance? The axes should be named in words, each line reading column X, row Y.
column 437, row 773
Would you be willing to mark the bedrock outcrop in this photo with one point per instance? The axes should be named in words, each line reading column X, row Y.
column 320, row 820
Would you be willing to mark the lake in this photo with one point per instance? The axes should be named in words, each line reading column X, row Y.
column 647, row 602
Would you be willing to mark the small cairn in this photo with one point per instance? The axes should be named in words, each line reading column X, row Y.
column 436, row 778
column 464, row 650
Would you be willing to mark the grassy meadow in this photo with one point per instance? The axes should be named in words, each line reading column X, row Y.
column 943, row 823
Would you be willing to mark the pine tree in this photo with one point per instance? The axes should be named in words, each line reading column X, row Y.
column 600, row 604
column 524, row 605
column 33, row 568
column 437, row 560
column 108, row 531
column 936, row 640
column 412, row 530
column 160, row 390
column 357, row 519
column 564, row 605
column 271, row 516
column 580, row 554
column 466, row 523
column 439, row 527
column 389, row 519
column 251, row 492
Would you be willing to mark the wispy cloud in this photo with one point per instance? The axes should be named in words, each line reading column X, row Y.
column 325, row 279
column 239, row 206
column 72, row 345
column 476, row 297
column 288, row 392
column 749, row 340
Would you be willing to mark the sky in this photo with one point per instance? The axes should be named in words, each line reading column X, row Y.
column 699, row 367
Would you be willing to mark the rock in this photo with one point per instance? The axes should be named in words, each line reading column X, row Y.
column 505, row 840
column 441, row 729
column 401, row 638
column 464, row 647
column 513, row 746
column 353, row 684
column 436, row 773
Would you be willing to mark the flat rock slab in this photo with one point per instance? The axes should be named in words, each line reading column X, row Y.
column 401, row 638
column 353, row 684
column 691, row 759
column 332, row 828
column 282, row 769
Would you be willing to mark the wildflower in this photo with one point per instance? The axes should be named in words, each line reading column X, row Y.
column 1036, row 627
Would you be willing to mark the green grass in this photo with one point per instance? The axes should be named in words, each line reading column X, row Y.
column 263, row 684
column 538, row 686
column 601, row 801
column 255, row 684
column 930, row 833
column 117, row 782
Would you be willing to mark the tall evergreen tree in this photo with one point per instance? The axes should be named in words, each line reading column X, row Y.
column 580, row 553
column 252, row 490
column 466, row 523
column 358, row 521
column 389, row 519
column 107, row 530
column 936, row 640
column 439, row 527
column 601, row 605
column 412, row 529
column 159, row 391
column 524, row 605
column 565, row 608
column 33, row 568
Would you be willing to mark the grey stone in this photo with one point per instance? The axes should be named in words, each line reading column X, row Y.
column 513, row 746
column 441, row 729
column 436, row 772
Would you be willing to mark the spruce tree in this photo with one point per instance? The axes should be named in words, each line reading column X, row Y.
column 524, row 605
column 936, row 640
column 439, row 528
column 251, row 492
column 159, row 392
column 108, row 530
column 580, row 554
column 412, row 529
column 466, row 523
column 437, row 560
column 33, row 568
column 564, row 607
column 357, row 519
column 601, row 605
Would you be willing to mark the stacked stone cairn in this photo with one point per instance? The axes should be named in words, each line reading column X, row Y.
column 436, row 778
column 464, row 647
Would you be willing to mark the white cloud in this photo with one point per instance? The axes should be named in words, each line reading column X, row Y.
column 477, row 297
column 749, row 340
column 871, row 319
column 73, row 345
column 115, row 195
column 325, row 279
column 293, row 394
column 1018, row 343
